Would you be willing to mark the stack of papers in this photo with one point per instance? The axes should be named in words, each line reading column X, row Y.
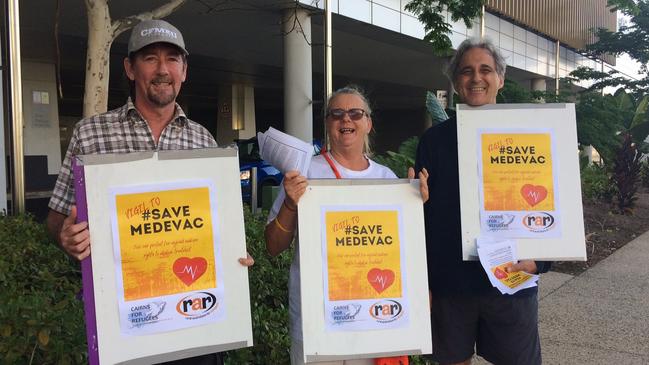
column 284, row 151
column 496, row 257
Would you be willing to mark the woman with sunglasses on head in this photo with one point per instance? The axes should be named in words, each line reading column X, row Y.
column 348, row 123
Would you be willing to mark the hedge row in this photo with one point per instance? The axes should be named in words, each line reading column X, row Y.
column 41, row 316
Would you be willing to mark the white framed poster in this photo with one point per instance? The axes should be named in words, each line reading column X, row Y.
column 519, row 179
column 166, row 234
column 363, row 272
column 167, row 249
column 364, row 264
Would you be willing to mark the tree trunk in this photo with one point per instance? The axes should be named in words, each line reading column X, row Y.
column 100, row 38
column 101, row 33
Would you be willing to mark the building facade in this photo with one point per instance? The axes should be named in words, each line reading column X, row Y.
column 260, row 63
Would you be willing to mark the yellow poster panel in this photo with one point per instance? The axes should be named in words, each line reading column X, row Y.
column 517, row 172
column 166, row 242
column 363, row 254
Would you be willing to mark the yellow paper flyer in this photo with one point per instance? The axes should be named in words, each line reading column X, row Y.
column 363, row 269
column 167, row 248
column 512, row 279
column 167, row 255
column 518, row 183
column 496, row 257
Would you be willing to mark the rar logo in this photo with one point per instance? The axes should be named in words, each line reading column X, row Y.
column 197, row 305
column 538, row 222
column 386, row 311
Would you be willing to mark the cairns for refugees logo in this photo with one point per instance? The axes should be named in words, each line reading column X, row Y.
column 144, row 314
column 499, row 222
column 345, row 313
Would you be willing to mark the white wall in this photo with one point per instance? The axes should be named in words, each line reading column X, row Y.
column 41, row 113
column 244, row 107
column 236, row 103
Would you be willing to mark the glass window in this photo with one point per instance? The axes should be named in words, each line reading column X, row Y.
column 519, row 33
column 519, row 47
column 412, row 27
column 506, row 28
column 519, row 61
column 531, row 51
column 357, row 9
column 492, row 21
column 508, row 55
column 493, row 35
column 386, row 17
column 506, row 42
column 391, row 4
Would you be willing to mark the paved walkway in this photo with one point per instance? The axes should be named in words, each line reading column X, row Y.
column 600, row 316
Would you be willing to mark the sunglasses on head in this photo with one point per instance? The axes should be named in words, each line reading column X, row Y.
column 339, row 114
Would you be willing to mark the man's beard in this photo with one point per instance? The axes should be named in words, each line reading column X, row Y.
column 161, row 97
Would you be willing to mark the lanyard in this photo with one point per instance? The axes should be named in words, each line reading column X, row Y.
column 331, row 163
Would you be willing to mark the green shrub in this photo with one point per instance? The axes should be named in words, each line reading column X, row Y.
column 596, row 184
column 626, row 175
column 399, row 162
column 269, row 299
column 41, row 320
column 644, row 173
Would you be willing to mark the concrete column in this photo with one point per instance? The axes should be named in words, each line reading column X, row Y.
column 482, row 23
column 538, row 85
column 298, row 99
column 16, row 109
column 3, row 154
column 556, row 66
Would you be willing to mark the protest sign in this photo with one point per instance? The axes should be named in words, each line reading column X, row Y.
column 166, row 245
column 518, row 183
column 363, row 253
column 363, row 271
column 165, row 239
column 523, row 159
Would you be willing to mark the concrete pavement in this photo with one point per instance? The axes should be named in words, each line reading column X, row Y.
column 600, row 316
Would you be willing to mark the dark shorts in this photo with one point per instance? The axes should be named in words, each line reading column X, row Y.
column 502, row 328
column 211, row 359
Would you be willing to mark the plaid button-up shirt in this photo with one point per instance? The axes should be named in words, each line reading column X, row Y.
column 123, row 130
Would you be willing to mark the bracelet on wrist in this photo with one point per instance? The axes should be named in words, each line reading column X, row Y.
column 281, row 227
column 293, row 209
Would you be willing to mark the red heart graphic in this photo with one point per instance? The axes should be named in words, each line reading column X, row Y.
column 189, row 270
column 534, row 194
column 500, row 274
column 380, row 279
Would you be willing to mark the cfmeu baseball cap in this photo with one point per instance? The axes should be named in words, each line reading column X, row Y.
column 154, row 31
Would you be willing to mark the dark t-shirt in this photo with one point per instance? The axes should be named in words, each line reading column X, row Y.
column 447, row 272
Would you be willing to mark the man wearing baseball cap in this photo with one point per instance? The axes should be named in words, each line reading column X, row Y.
column 151, row 120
